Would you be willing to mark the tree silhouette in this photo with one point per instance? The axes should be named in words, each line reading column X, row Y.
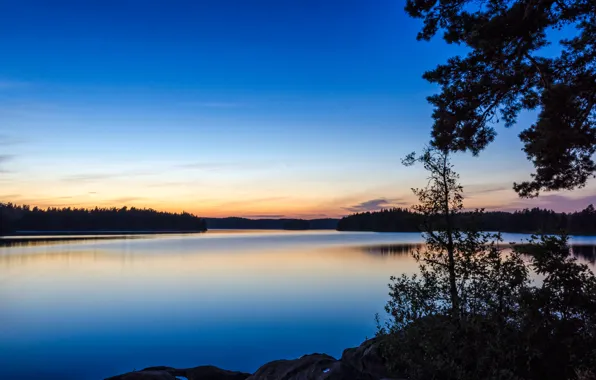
column 533, row 220
column 24, row 218
column 504, row 73
column 472, row 312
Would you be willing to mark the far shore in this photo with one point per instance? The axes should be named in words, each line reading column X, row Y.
column 62, row 234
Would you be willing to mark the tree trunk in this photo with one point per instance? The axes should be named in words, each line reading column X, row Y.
column 450, row 245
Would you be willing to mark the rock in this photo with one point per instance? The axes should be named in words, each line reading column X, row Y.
column 367, row 359
column 302, row 368
column 208, row 372
column 145, row 375
column 173, row 371
column 359, row 363
column 308, row 367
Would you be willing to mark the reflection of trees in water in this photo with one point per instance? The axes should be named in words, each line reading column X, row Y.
column 60, row 258
column 392, row 249
column 29, row 242
column 586, row 252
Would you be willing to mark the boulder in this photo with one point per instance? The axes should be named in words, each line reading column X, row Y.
column 209, row 372
column 367, row 359
column 364, row 362
column 308, row 367
column 206, row 372
column 145, row 375
column 173, row 371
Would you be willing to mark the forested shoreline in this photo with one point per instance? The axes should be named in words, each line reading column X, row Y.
column 15, row 218
column 26, row 218
column 29, row 220
column 272, row 224
column 534, row 220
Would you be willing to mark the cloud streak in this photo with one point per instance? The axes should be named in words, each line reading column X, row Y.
column 486, row 189
column 174, row 184
column 200, row 166
column 375, row 205
column 10, row 197
column 93, row 177
column 215, row 166
column 208, row 166
column 89, row 177
column 4, row 158
column 123, row 200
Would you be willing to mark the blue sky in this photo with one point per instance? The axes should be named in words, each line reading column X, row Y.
column 296, row 108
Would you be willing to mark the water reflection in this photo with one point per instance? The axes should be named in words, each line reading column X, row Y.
column 585, row 252
column 98, row 306
column 31, row 241
column 391, row 249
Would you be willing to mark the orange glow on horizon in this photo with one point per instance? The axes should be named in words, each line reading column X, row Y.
column 256, row 203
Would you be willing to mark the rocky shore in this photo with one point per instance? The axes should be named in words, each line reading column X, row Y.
column 359, row 363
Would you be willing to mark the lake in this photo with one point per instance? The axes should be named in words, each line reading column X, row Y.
column 97, row 307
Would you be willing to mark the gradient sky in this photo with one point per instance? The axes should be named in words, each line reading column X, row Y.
column 250, row 108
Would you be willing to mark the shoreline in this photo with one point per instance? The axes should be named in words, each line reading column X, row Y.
column 25, row 237
column 364, row 362
column 58, row 234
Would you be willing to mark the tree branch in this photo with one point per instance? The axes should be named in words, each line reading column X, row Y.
column 537, row 66
column 431, row 261
column 587, row 111
column 492, row 106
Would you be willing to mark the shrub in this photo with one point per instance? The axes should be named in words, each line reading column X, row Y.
column 473, row 312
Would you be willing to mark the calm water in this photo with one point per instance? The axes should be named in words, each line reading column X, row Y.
column 93, row 308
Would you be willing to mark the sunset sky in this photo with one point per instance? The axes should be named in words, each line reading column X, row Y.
column 245, row 108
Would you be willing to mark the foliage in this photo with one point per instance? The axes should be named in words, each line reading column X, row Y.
column 386, row 220
column 495, row 323
column 271, row 223
column 25, row 218
column 533, row 220
column 296, row 224
column 559, row 320
column 503, row 73
column 439, row 202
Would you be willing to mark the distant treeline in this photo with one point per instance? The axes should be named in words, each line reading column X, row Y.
column 271, row 224
column 524, row 221
column 15, row 218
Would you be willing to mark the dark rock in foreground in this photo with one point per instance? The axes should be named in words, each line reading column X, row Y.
column 145, row 375
column 359, row 363
column 209, row 372
column 308, row 367
column 366, row 358
column 206, row 372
